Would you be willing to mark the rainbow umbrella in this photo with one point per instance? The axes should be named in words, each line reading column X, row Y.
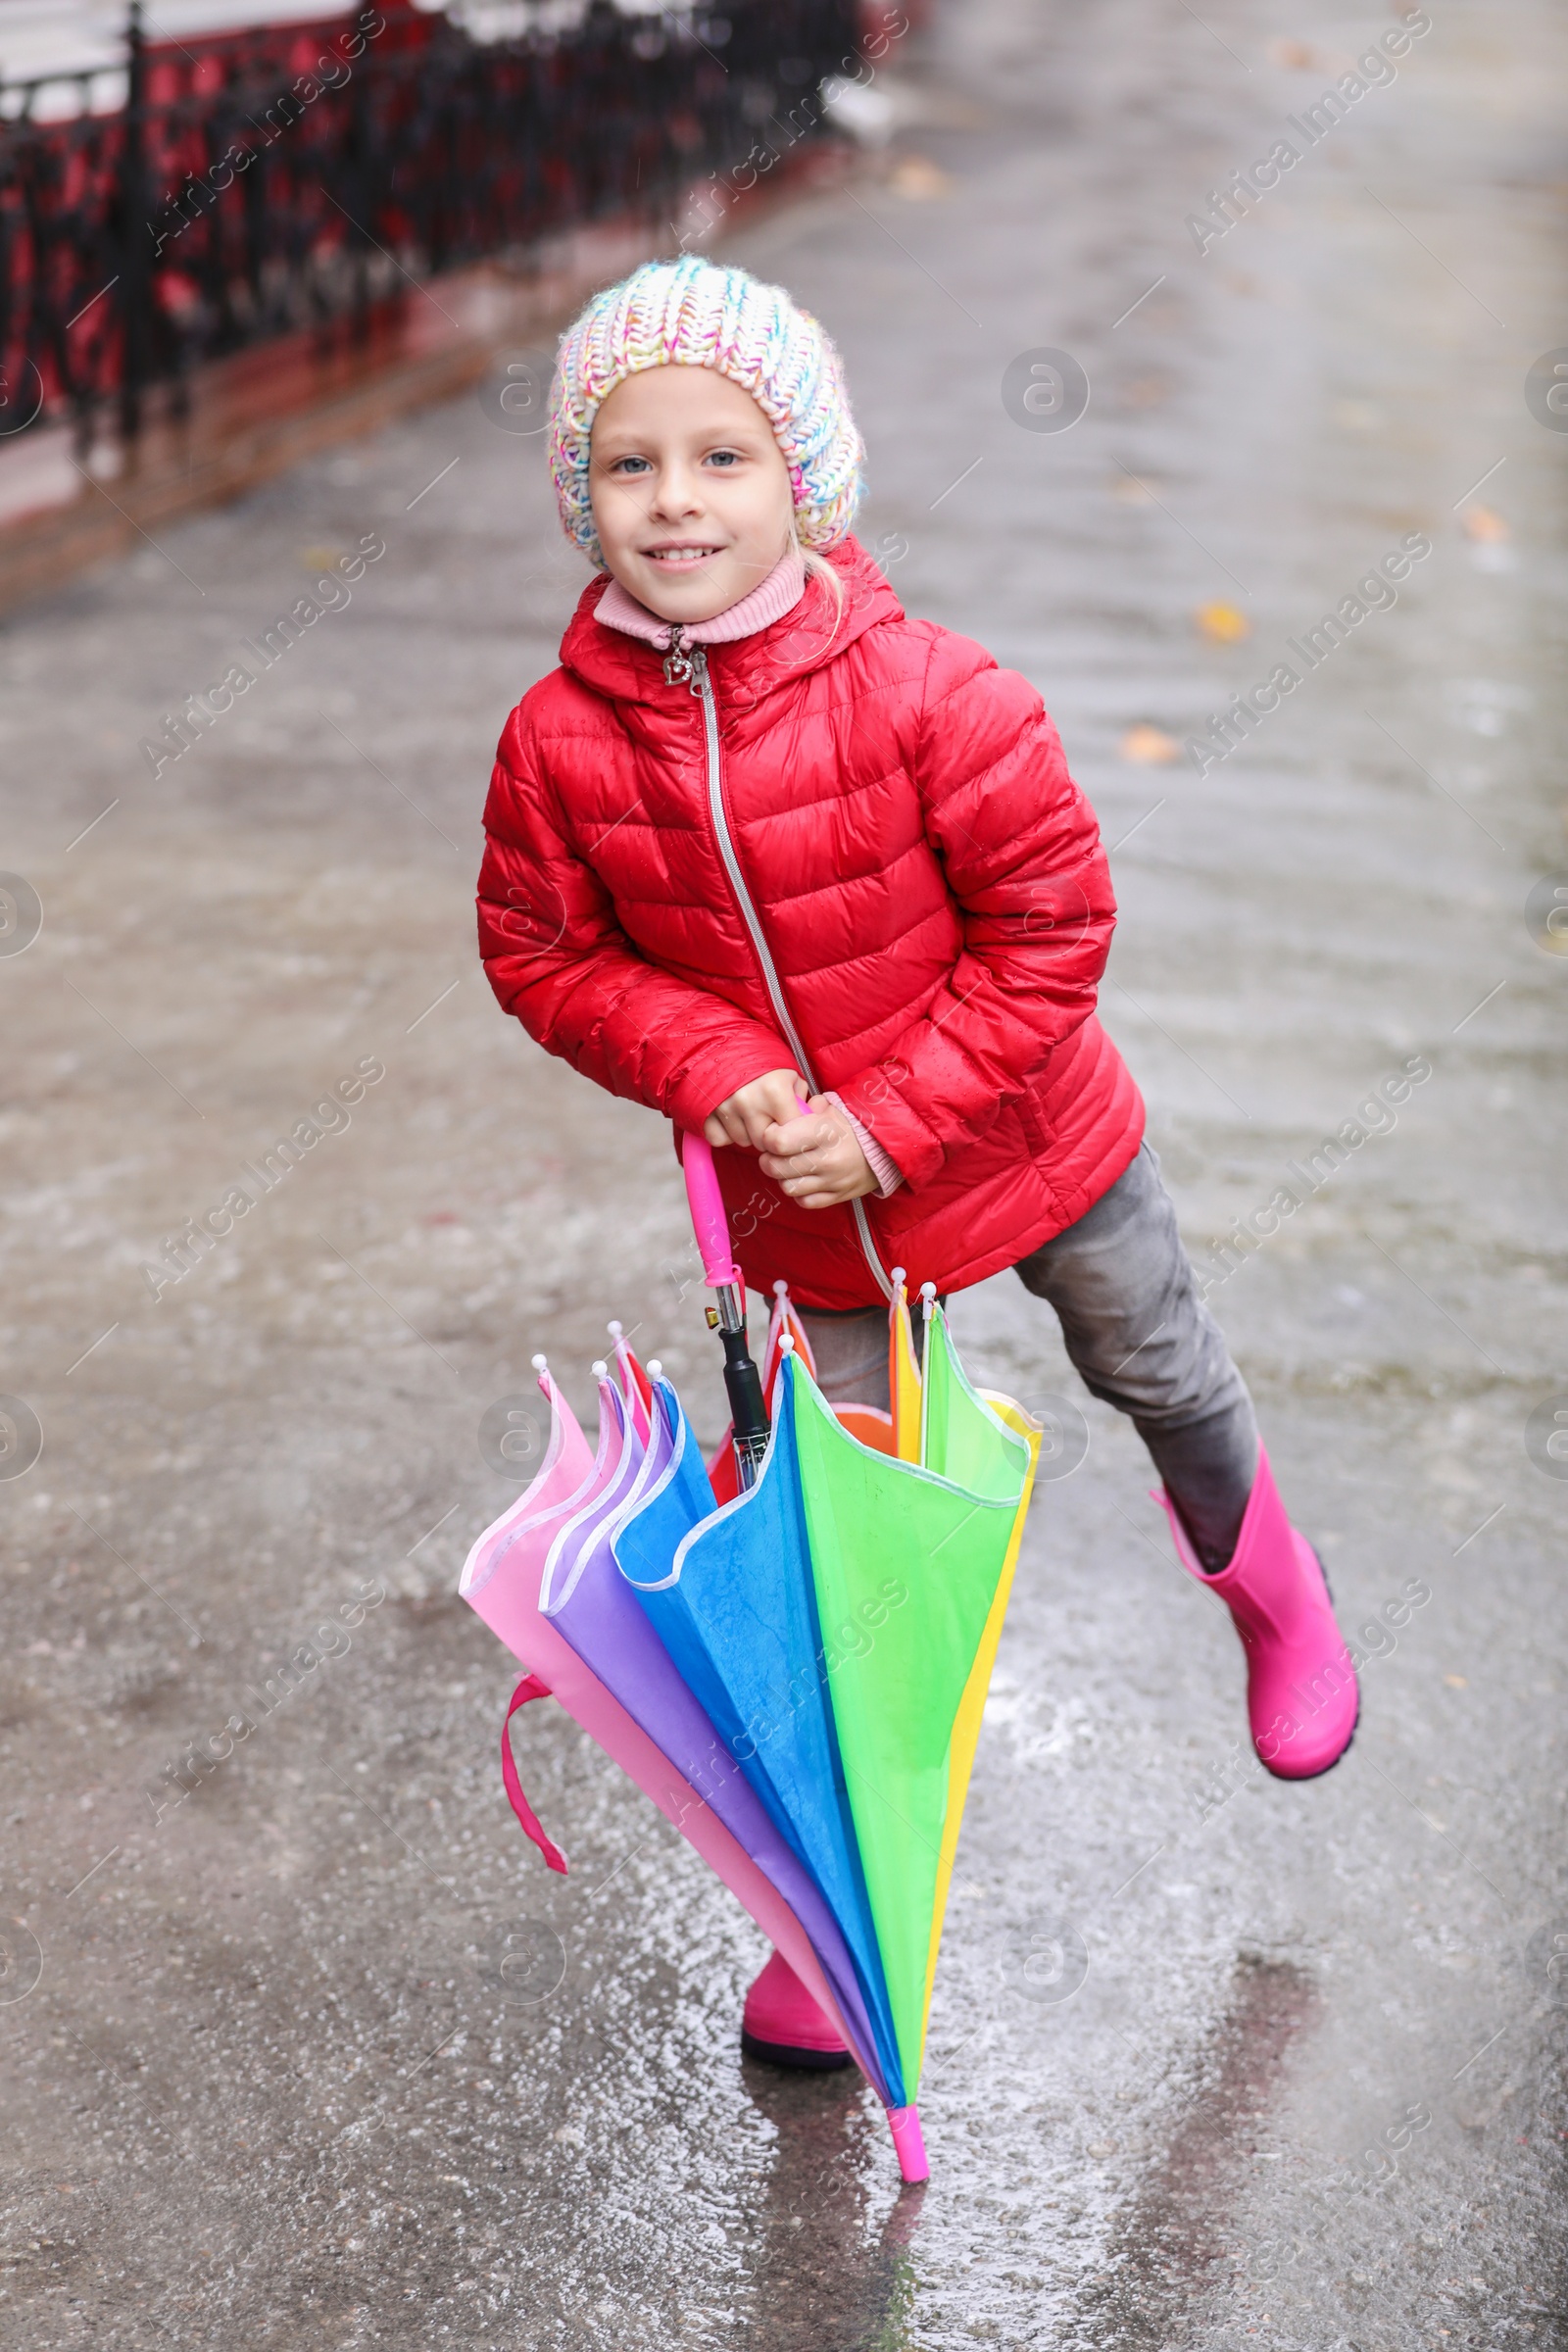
column 796, row 1675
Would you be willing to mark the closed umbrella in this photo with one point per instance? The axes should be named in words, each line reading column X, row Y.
column 797, row 1676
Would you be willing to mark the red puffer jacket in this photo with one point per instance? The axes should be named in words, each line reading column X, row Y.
column 858, row 853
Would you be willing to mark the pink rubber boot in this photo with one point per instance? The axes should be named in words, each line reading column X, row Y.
column 782, row 2023
column 1301, row 1693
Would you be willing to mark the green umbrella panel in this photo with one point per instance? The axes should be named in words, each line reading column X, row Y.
column 907, row 1564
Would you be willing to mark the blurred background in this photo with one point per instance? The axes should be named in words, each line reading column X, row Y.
column 219, row 219
column 297, row 2039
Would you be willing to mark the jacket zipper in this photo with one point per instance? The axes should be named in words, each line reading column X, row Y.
column 689, row 664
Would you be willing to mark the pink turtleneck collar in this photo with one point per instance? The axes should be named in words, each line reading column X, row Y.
column 779, row 594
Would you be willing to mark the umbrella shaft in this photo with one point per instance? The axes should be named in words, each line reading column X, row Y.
column 748, row 1411
column 729, row 1309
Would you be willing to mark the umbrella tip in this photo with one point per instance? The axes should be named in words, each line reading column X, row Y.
column 781, row 1289
column 909, row 2142
column 895, row 1274
column 786, row 1343
column 928, row 1290
column 541, row 1363
column 614, row 1330
column 656, row 1370
column 599, row 1368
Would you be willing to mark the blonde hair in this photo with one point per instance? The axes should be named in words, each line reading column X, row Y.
column 817, row 568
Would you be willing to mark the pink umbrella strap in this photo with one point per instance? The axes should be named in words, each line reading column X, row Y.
column 530, row 1687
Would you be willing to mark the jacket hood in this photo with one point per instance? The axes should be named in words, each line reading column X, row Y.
column 624, row 670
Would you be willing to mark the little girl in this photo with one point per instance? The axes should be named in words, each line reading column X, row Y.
column 760, row 836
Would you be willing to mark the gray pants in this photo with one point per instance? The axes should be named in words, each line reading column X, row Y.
column 1140, row 1337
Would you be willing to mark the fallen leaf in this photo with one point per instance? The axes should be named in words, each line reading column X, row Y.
column 319, row 559
column 1149, row 745
column 1223, row 623
column 916, row 178
column 1458, row 1681
column 1131, row 491
column 1480, row 523
column 1296, row 55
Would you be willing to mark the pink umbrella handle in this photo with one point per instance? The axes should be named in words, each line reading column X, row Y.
column 706, row 1203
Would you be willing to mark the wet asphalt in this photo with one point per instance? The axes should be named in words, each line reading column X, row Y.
column 1213, row 2058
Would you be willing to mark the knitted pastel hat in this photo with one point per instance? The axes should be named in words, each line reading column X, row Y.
column 696, row 314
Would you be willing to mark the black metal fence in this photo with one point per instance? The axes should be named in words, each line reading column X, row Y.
column 290, row 177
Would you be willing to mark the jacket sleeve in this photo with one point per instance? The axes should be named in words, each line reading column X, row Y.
column 557, row 958
column 1023, row 856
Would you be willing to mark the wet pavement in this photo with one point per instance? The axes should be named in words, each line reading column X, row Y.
column 1213, row 2058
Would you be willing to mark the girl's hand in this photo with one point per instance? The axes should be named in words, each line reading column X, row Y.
column 815, row 1159
column 748, row 1115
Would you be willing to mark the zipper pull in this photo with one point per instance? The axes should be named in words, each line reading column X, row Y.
column 685, row 665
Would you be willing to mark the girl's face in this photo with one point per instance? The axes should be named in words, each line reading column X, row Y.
column 690, row 491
